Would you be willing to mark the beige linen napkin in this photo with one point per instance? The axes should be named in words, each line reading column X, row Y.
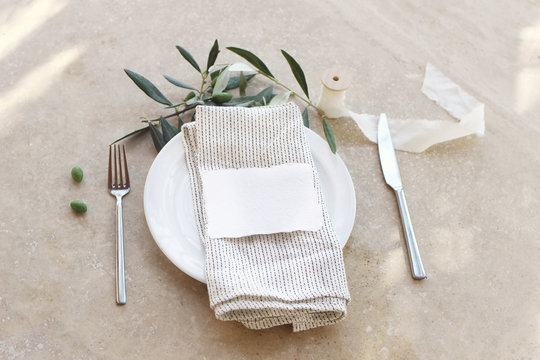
column 264, row 280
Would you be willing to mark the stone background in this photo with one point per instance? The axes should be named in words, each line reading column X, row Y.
column 474, row 202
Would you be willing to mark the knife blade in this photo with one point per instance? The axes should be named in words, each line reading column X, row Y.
column 390, row 170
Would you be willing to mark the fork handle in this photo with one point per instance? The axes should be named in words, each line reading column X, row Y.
column 417, row 269
column 120, row 277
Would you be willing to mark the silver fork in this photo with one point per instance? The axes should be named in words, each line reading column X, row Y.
column 119, row 186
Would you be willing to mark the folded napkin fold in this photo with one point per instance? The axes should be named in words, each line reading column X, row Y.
column 268, row 279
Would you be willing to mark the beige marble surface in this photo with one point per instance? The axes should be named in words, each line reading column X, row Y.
column 474, row 201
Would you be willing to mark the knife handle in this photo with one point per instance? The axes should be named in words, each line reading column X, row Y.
column 417, row 268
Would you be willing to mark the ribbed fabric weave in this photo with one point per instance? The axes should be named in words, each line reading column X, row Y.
column 262, row 281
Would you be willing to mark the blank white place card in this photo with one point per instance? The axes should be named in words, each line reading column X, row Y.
column 250, row 201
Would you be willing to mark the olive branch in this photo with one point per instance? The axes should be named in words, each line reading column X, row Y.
column 214, row 90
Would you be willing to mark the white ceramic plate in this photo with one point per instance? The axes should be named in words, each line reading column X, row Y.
column 168, row 205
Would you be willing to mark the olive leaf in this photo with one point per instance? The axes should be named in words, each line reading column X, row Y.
column 189, row 58
column 193, row 101
column 234, row 81
column 280, row 98
column 242, row 83
column 221, row 82
column 305, row 117
column 240, row 104
column 265, row 96
column 329, row 134
column 209, row 102
column 149, row 89
column 157, row 137
column 241, row 67
column 175, row 105
column 212, row 56
column 252, row 59
column 168, row 131
column 214, row 74
column 297, row 72
column 178, row 83
column 138, row 131
column 240, row 100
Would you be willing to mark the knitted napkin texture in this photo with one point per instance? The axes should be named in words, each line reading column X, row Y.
column 267, row 280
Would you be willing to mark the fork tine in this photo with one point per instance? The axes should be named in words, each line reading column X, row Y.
column 115, row 169
column 110, row 168
column 120, row 168
column 125, row 166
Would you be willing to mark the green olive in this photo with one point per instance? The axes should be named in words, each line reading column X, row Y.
column 77, row 174
column 191, row 95
column 222, row 97
column 79, row 206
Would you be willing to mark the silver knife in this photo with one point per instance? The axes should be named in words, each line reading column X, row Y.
column 390, row 170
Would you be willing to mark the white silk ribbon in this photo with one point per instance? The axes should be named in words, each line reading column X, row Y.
column 417, row 135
